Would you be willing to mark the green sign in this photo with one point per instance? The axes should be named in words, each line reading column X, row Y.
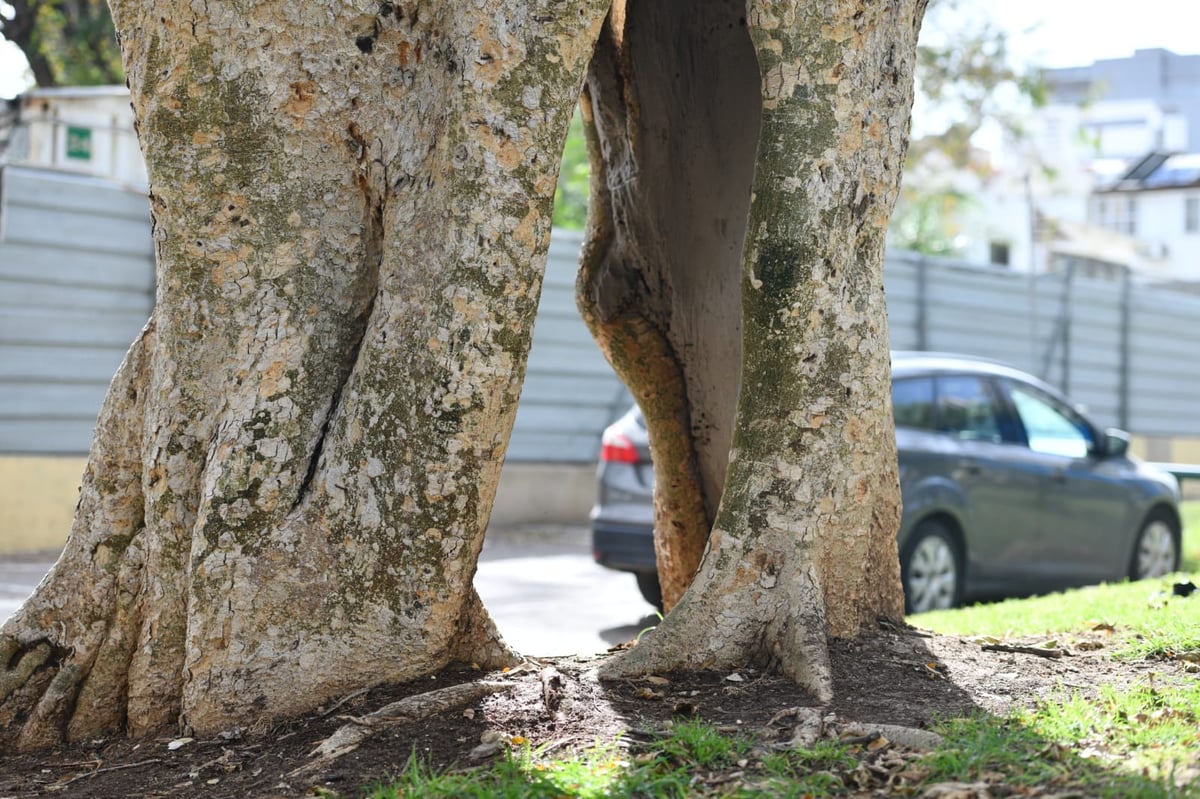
column 79, row 143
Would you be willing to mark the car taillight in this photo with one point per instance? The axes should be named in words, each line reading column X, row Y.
column 617, row 448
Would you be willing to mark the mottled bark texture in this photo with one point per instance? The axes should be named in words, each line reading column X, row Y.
column 803, row 545
column 294, row 468
column 672, row 106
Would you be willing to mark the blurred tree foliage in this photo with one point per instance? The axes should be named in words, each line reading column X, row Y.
column 67, row 42
column 965, row 80
column 571, row 194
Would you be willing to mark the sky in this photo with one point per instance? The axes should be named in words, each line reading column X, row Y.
column 1048, row 33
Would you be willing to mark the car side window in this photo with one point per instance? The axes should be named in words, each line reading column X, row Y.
column 965, row 409
column 912, row 402
column 1050, row 428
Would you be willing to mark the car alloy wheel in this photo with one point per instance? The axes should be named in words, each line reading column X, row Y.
column 1156, row 553
column 930, row 570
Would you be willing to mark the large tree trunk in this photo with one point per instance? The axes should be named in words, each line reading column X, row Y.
column 672, row 104
column 294, row 468
column 803, row 545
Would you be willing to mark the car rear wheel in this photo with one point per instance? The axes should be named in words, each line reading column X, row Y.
column 651, row 590
column 1156, row 551
column 931, row 569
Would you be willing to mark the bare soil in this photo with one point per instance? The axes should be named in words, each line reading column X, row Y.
column 897, row 676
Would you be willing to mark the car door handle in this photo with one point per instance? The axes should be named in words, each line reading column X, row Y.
column 970, row 467
column 1060, row 476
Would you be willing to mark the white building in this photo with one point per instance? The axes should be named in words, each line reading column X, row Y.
column 1157, row 201
column 87, row 130
column 1054, row 196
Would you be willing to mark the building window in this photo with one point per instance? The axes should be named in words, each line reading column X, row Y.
column 1191, row 215
column 999, row 253
column 1117, row 213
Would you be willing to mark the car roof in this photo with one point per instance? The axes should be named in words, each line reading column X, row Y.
column 908, row 363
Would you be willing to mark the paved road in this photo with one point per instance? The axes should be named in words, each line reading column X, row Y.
column 540, row 584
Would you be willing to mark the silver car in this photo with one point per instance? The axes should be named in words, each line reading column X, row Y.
column 1007, row 489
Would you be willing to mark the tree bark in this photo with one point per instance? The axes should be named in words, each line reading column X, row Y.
column 671, row 102
column 294, row 468
column 804, row 544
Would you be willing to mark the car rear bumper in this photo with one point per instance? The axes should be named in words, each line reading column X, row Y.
column 622, row 546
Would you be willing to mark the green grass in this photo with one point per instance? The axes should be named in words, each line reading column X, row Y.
column 1043, row 749
column 1191, row 536
column 1144, row 619
column 1144, row 728
column 691, row 759
column 598, row 771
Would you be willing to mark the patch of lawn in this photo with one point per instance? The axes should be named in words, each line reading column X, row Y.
column 1144, row 616
column 1041, row 751
column 598, row 771
column 1190, row 554
column 1146, row 728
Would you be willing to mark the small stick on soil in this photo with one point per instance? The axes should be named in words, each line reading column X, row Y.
column 1025, row 650
column 348, row 737
column 344, row 700
column 107, row 769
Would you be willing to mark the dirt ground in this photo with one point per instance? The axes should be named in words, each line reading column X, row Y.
column 899, row 676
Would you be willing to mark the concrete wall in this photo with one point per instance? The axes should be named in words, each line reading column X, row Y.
column 37, row 501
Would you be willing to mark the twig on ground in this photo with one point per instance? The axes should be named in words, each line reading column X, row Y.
column 344, row 700
column 1025, row 650
column 105, row 770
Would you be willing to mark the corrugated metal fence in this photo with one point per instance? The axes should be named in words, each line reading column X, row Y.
column 1127, row 351
column 76, row 284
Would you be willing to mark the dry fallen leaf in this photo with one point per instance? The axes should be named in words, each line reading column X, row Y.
column 1055, row 751
column 646, row 693
column 656, row 680
column 685, row 708
column 485, row 751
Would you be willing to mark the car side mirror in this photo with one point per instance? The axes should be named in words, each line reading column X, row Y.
column 1115, row 444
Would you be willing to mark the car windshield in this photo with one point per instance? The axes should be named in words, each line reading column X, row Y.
column 1047, row 428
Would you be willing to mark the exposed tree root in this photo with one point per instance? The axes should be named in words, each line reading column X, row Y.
column 771, row 616
column 412, row 708
column 800, row 727
column 478, row 641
